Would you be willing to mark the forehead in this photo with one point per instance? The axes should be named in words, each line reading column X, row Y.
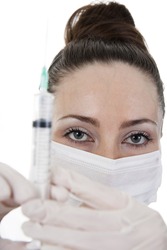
column 116, row 85
column 107, row 76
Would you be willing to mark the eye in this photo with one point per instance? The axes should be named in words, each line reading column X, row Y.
column 78, row 135
column 137, row 139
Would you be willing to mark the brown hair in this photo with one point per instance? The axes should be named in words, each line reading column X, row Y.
column 103, row 33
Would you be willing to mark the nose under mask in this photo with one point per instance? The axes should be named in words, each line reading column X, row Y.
column 139, row 176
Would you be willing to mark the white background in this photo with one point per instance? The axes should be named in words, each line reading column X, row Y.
column 22, row 46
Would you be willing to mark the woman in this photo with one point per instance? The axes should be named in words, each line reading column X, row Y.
column 109, row 109
column 109, row 102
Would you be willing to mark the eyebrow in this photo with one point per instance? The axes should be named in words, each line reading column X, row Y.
column 136, row 122
column 86, row 119
column 96, row 123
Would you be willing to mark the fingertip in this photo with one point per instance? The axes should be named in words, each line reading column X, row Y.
column 59, row 194
column 33, row 209
column 27, row 227
column 31, row 229
column 60, row 177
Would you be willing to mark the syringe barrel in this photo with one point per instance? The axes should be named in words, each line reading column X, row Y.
column 41, row 148
column 43, row 106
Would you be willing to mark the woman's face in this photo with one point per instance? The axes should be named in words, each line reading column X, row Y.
column 108, row 109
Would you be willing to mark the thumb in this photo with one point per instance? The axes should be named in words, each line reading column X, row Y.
column 92, row 193
column 16, row 185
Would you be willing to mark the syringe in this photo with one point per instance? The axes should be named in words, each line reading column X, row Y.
column 42, row 129
column 41, row 148
column 40, row 169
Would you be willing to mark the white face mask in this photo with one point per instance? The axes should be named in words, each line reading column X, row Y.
column 139, row 176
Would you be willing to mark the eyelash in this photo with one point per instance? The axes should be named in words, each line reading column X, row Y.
column 71, row 131
column 143, row 135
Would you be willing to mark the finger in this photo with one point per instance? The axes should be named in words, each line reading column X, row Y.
column 15, row 180
column 86, row 219
column 74, row 239
column 63, row 215
column 53, row 247
column 59, row 193
column 5, row 192
column 129, row 238
column 92, row 193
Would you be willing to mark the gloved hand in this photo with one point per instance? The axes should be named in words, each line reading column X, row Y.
column 107, row 219
column 14, row 189
column 10, row 245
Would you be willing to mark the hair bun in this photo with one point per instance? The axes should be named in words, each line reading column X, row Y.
column 112, row 22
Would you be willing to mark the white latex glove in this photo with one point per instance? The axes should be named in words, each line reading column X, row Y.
column 110, row 220
column 10, row 245
column 14, row 189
